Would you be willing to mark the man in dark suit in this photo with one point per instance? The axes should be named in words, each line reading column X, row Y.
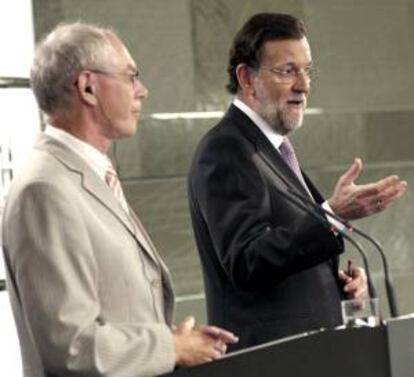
column 271, row 269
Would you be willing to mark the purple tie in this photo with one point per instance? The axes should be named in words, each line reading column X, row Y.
column 289, row 156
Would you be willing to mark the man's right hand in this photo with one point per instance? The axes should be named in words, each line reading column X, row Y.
column 197, row 345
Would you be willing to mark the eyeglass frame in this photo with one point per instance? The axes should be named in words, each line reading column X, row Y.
column 133, row 78
column 308, row 73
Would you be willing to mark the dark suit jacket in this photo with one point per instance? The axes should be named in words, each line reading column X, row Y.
column 270, row 269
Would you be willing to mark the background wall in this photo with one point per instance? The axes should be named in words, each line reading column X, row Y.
column 364, row 93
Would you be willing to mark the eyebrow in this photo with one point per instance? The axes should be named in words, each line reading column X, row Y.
column 292, row 64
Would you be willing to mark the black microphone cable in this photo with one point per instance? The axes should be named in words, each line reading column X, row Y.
column 322, row 218
column 392, row 304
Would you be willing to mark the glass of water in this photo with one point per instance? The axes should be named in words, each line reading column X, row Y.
column 360, row 312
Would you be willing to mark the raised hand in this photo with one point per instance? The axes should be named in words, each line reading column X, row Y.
column 351, row 201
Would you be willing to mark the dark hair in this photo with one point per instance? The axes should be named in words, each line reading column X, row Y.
column 249, row 41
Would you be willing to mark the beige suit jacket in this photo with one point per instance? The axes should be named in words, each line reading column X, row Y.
column 89, row 292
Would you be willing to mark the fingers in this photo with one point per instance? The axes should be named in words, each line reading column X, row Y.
column 361, row 293
column 384, row 189
column 198, row 344
column 187, row 324
column 378, row 196
column 355, row 286
column 358, row 291
column 214, row 352
column 356, row 201
column 220, row 348
column 218, row 333
column 215, row 349
column 343, row 277
column 193, row 347
column 352, row 288
column 391, row 188
column 352, row 173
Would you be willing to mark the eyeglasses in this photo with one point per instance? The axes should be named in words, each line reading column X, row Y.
column 291, row 73
column 132, row 77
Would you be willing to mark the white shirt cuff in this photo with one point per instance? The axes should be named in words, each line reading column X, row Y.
column 335, row 223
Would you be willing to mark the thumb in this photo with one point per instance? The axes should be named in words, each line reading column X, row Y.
column 352, row 173
column 188, row 324
column 343, row 277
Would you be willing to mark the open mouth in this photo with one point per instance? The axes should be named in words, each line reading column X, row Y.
column 297, row 105
column 297, row 102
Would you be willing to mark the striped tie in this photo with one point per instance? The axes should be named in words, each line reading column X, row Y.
column 111, row 178
column 289, row 156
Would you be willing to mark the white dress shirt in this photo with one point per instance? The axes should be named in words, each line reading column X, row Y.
column 96, row 160
column 276, row 140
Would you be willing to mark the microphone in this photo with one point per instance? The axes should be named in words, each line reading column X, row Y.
column 319, row 213
column 390, row 293
column 322, row 218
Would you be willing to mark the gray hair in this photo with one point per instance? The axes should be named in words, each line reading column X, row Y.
column 61, row 56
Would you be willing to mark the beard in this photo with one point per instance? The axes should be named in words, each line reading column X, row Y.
column 280, row 120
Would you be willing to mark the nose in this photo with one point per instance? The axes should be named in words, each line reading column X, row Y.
column 141, row 90
column 302, row 83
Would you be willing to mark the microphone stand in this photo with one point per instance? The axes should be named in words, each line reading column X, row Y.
column 390, row 293
column 322, row 218
column 392, row 304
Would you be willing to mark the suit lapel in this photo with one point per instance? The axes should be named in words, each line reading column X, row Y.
column 314, row 191
column 146, row 240
column 270, row 156
column 263, row 147
column 96, row 188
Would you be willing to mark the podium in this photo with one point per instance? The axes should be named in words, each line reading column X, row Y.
column 385, row 351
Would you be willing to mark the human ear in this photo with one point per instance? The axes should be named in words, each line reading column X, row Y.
column 245, row 78
column 86, row 89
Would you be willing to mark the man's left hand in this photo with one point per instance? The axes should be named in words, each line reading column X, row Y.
column 351, row 201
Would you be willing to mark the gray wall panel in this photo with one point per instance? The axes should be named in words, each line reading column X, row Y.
column 363, row 51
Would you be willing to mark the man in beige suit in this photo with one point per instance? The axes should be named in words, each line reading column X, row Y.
column 90, row 294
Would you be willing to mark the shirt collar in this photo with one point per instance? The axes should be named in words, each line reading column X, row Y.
column 96, row 160
column 275, row 138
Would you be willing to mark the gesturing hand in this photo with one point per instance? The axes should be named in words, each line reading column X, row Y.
column 351, row 201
